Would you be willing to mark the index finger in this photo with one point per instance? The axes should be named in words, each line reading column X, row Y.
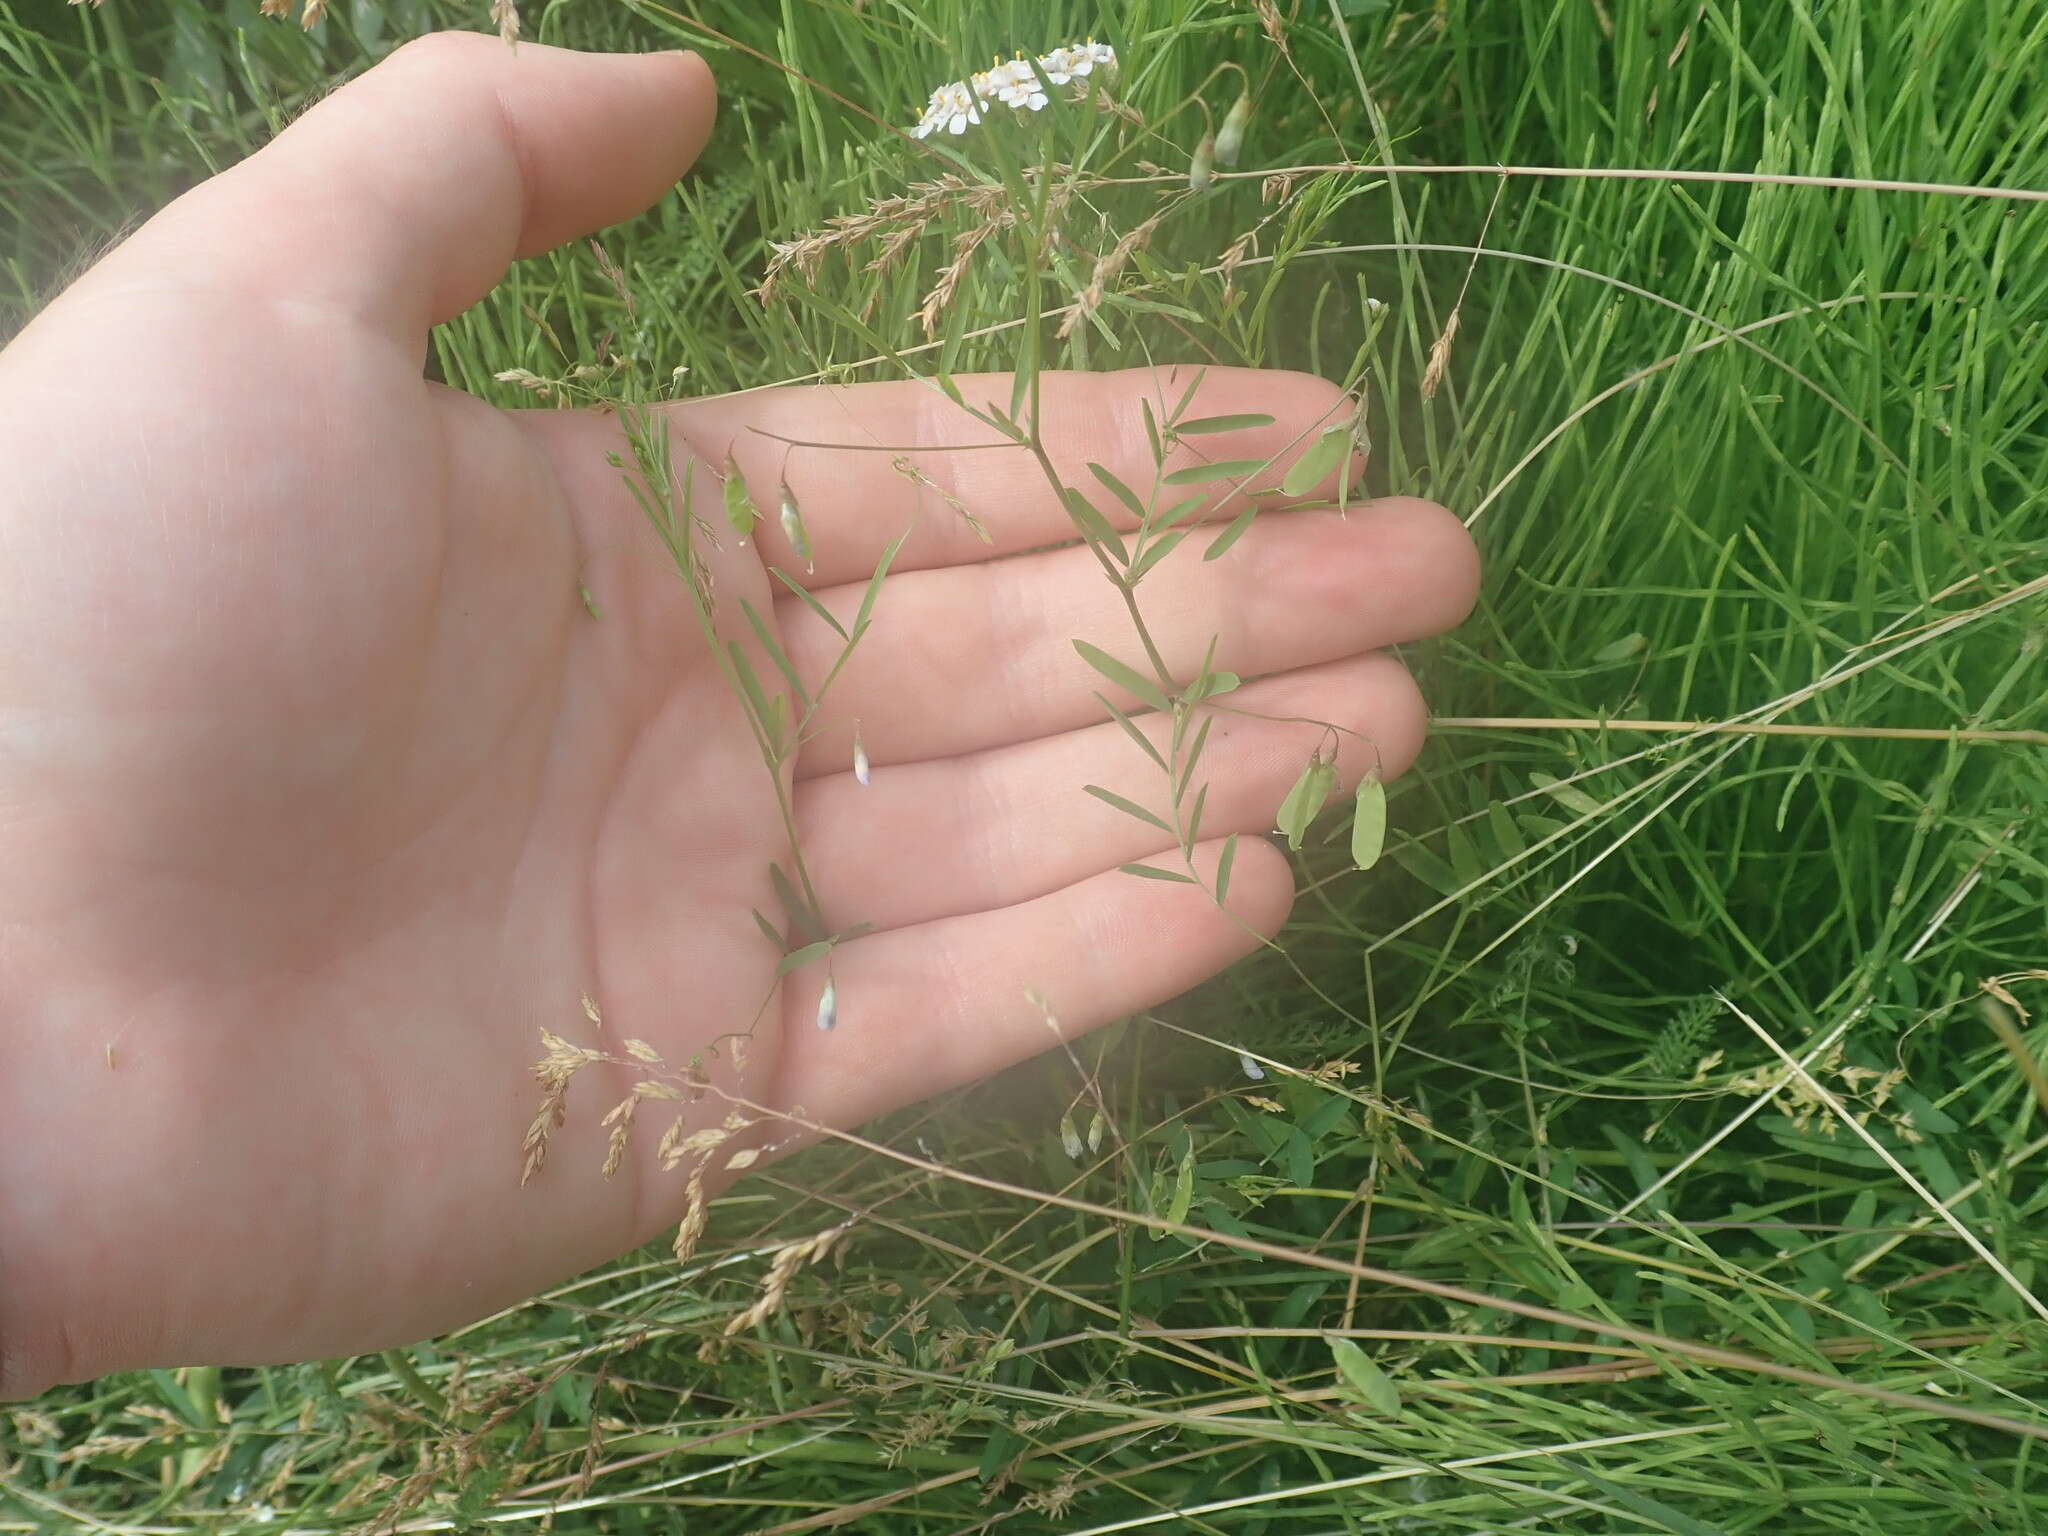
column 403, row 197
column 902, row 457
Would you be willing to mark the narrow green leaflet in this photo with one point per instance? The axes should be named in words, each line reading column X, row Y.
column 1319, row 461
column 1119, row 490
column 874, row 586
column 1131, row 730
column 1306, row 798
column 1223, row 868
column 1221, row 469
column 1507, row 836
column 776, row 654
column 1158, row 551
column 1426, row 867
column 797, row 959
column 1093, row 525
column 1237, row 423
column 1178, row 510
column 1622, row 649
column 1569, row 795
column 1231, row 535
column 1150, row 872
column 1152, row 439
column 1369, row 822
column 1129, row 679
column 739, row 504
column 1210, row 684
column 809, row 601
column 1191, row 759
column 756, row 695
column 1371, row 1383
column 1677, row 1521
column 1183, row 1187
column 803, row 922
column 1128, row 807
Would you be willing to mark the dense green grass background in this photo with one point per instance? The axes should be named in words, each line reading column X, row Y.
column 1838, row 520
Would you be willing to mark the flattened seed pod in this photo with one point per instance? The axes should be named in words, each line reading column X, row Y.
column 793, row 527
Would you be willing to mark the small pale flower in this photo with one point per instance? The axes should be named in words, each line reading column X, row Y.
column 952, row 108
column 1064, row 64
column 828, row 1006
column 861, row 771
column 1014, row 85
column 1250, row 1068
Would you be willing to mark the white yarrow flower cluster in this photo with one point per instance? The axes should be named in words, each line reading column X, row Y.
column 956, row 104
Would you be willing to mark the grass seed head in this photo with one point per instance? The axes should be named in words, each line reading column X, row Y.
column 1439, row 358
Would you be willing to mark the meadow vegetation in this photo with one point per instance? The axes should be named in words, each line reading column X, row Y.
column 1652, row 1139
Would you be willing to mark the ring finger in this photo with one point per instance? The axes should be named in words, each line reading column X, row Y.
column 996, row 828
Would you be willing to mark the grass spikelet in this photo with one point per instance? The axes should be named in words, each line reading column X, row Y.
column 788, row 1260
column 1439, row 357
column 696, row 1212
column 1106, row 270
column 554, row 1071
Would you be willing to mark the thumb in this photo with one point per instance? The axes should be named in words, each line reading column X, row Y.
column 405, row 195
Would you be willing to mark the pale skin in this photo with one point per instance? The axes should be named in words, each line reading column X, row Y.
column 322, row 794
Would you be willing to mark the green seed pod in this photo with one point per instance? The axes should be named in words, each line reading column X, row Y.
column 739, row 504
column 1310, row 791
column 1230, row 137
column 1070, row 1139
column 793, row 526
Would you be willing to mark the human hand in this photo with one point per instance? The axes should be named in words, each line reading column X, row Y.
column 321, row 794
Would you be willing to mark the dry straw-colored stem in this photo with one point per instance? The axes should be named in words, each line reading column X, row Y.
column 1621, row 173
column 1963, row 734
column 1693, row 1351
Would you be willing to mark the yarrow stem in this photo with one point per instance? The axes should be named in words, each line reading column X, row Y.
column 1020, row 84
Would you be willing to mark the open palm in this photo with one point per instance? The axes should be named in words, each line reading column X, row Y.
column 322, row 792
